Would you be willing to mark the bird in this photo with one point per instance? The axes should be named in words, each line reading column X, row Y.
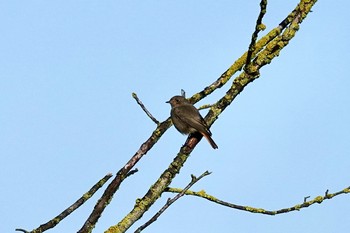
column 187, row 119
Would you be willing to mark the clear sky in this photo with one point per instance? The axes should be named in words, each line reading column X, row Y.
column 67, row 118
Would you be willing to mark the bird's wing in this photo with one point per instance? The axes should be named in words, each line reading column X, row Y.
column 192, row 118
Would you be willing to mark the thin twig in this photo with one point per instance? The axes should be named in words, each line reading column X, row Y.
column 258, row 27
column 305, row 198
column 183, row 93
column 171, row 201
column 203, row 194
column 53, row 222
column 132, row 172
column 144, row 108
column 19, row 229
column 326, row 193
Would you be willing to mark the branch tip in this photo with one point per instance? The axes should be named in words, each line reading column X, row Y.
column 259, row 26
column 183, row 93
column 326, row 194
column 19, row 229
column 207, row 173
column 132, row 172
column 305, row 198
column 138, row 101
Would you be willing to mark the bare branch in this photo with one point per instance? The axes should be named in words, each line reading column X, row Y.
column 144, row 203
column 171, row 201
column 53, row 222
column 145, row 109
column 258, row 27
column 318, row 199
column 121, row 175
column 302, row 9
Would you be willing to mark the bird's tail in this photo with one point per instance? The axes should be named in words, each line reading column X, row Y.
column 211, row 141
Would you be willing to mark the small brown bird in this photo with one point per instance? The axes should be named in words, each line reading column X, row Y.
column 187, row 119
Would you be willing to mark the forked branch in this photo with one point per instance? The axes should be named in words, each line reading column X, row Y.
column 171, row 201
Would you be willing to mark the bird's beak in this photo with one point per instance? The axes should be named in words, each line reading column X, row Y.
column 168, row 102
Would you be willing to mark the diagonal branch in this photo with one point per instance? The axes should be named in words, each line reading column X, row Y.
column 303, row 7
column 144, row 203
column 171, row 201
column 53, row 222
column 305, row 204
column 270, row 51
column 121, row 175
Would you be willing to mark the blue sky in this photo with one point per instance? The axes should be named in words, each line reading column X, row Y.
column 67, row 116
